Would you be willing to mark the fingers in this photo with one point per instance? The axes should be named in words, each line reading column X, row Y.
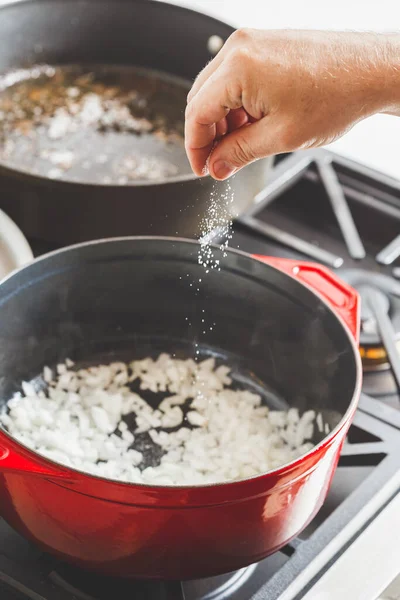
column 203, row 76
column 208, row 107
column 233, row 120
column 208, row 70
column 237, row 118
column 221, row 128
column 223, row 125
column 244, row 145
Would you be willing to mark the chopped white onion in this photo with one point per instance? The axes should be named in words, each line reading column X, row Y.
column 206, row 431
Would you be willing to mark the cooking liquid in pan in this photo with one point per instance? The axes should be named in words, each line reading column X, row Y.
column 99, row 125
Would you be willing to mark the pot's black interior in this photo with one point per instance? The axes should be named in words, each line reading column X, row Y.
column 135, row 297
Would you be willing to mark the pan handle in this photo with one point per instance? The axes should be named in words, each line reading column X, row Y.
column 18, row 461
column 342, row 298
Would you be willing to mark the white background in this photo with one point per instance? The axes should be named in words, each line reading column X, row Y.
column 376, row 141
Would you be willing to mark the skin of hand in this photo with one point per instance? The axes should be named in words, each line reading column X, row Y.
column 270, row 92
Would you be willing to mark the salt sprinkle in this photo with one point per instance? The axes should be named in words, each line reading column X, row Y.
column 216, row 223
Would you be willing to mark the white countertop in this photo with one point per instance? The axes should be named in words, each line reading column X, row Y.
column 374, row 142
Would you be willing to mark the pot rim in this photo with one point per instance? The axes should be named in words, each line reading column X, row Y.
column 277, row 472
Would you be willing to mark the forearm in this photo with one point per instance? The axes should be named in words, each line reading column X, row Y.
column 365, row 66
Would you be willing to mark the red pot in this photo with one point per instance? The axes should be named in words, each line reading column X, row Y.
column 170, row 532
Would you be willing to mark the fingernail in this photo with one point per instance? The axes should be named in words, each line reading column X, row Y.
column 222, row 169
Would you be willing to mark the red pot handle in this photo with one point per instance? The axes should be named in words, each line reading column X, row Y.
column 343, row 299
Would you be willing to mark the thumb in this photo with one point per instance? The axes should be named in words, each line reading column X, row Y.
column 241, row 147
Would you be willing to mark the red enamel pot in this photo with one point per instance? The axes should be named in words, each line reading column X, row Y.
column 291, row 326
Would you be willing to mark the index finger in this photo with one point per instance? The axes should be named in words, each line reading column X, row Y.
column 211, row 104
column 199, row 141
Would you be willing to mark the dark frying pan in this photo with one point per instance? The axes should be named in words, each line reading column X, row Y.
column 95, row 197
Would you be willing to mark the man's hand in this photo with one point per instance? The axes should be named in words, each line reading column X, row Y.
column 269, row 92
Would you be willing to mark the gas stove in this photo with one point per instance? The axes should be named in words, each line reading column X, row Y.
column 327, row 209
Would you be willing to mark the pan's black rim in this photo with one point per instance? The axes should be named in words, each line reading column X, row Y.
column 324, row 443
column 6, row 169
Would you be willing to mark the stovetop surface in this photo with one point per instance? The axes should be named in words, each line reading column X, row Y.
column 369, row 460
